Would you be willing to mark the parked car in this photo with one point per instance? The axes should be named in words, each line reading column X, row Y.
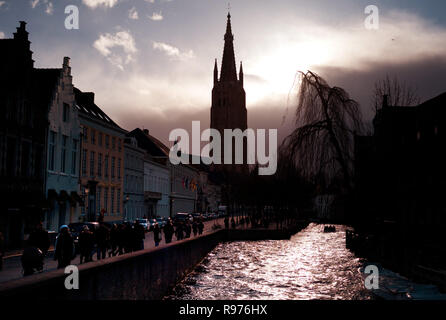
column 161, row 222
column 181, row 217
column 144, row 223
column 77, row 227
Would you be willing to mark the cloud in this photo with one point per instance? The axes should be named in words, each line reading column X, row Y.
column 133, row 14
column 121, row 39
column 97, row 3
column 156, row 16
column 172, row 51
column 150, row 1
column 49, row 8
column 34, row 3
column 2, row 35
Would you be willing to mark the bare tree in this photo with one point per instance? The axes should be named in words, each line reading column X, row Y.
column 398, row 93
column 326, row 120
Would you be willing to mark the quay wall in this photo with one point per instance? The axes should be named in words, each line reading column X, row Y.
column 144, row 275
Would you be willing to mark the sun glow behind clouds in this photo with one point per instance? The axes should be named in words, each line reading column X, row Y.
column 278, row 67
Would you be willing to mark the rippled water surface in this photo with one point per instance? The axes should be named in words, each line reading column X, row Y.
column 312, row 265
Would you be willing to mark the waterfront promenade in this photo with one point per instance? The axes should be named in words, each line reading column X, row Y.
column 12, row 267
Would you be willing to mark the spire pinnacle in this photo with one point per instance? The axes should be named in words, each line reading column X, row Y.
column 228, row 69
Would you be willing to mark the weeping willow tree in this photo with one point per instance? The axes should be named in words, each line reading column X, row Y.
column 326, row 119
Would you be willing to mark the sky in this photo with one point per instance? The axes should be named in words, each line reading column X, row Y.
column 150, row 62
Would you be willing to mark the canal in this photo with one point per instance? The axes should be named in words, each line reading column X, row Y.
column 311, row 265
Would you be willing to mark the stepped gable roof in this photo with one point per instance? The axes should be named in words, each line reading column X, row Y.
column 44, row 83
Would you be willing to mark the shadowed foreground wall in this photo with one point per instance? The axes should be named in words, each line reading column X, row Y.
column 148, row 274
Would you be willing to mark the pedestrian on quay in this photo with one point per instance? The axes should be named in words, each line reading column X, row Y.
column 64, row 252
column 86, row 245
column 169, row 231
column 200, row 227
column 128, row 238
column 233, row 223
column 101, row 237
column 195, row 227
column 40, row 239
column 187, row 229
column 120, row 239
column 140, row 235
column 226, row 222
column 2, row 250
column 114, row 236
column 156, row 234
column 179, row 231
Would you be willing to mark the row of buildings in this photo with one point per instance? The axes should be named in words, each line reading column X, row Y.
column 64, row 160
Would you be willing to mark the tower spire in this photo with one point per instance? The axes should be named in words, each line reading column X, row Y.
column 215, row 72
column 240, row 76
column 228, row 69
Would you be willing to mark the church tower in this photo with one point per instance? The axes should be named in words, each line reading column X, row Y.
column 228, row 110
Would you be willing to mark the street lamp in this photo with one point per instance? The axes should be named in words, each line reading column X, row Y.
column 127, row 198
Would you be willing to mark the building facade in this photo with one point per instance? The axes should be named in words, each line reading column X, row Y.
column 156, row 174
column 184, row 185
column 102, row 162
column 133, row 180
column 62, row 169
column 24, row 101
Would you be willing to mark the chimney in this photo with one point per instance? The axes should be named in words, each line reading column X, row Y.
column 146, row 132
column 88, row 97
column 385, row 101
column 66, row 65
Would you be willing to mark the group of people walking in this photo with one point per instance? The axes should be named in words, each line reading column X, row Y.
column 102, row 241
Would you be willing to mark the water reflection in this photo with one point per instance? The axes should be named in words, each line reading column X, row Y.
column 312, row 265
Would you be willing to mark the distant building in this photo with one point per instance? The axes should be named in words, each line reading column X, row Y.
column 184, row 193
column 228, row 110
column 156, row 174
column 102, row 161
column 62, row 169
column 25, row 98
column 133, row 180
column 400, row 172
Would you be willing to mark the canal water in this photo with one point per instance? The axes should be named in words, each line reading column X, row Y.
column 312, row 265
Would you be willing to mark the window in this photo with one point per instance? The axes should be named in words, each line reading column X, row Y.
column 113, row 167
column 107, row 141
column 119, row 168
column 63, row 155
column 93, row 136
column 106, row 200
column 91, row 163
column 84, row 162
column 106, row 166
column 98, row 199
column 100, row 139
column 113, row 143
column 52, row 150
column 100, row 165
column 74, row 156
column 118, row 202
column 112, row 199
column 85, row 133
column 119, row 145
column 66, row 113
